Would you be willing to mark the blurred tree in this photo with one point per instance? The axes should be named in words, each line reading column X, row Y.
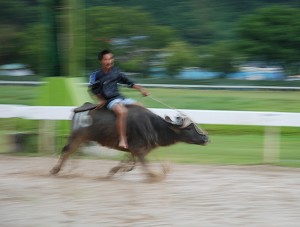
column 219, row 57
column 272, row 35
column 180, row 55
column 31, row 52
column 199, row 22
column 14, row 16
column 56, row 50
column 10, row 43
column 53, row 40
column 130, row 33
column 136, row 64
column 19, row 12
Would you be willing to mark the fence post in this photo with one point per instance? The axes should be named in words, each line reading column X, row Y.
column 272, row 145
column 46, row 136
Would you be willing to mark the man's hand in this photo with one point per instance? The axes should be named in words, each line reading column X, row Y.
column 144, row 92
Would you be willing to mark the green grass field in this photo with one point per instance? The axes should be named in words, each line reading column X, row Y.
column 229, row 144
column 282, row 101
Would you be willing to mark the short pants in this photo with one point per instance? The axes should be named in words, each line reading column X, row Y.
column 125, row 101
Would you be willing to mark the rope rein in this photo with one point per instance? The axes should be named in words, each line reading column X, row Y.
column 164, row 104
column 200, row 130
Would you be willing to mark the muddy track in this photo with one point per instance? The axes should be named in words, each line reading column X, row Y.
column 191, row 195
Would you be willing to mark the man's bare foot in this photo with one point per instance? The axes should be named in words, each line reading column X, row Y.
column 123, row 144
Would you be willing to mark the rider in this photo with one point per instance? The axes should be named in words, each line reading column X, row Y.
column 104, row 85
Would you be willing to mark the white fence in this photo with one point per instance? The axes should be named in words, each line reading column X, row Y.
column 268, row 119
column 186, row 86
column 199, row 116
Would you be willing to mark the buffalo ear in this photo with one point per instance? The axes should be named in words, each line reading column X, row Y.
column 168, row 119
column 177, row 122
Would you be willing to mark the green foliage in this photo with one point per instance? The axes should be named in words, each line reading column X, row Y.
column 219, row 57
column 18, row 12
column 14, row 16
column 271, row 34
column 9, row 39
column 104, row 24
column 134, row 65
column 180, row 55
column 33, row 52
column 199, row 22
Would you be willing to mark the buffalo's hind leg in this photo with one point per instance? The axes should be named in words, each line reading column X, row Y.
column 70, row 148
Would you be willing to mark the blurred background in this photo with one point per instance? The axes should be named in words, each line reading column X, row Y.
column 192, row 42
column 177, row 39
column 239, row 55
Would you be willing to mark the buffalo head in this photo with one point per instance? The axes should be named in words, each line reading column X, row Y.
column 187, row 130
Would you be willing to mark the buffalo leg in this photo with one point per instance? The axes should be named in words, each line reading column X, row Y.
column 67, row 150
column 124, row 166
column 144, row 163
column 129, row 163
column 153, row 177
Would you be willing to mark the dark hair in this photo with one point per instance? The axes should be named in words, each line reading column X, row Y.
column 102, row 53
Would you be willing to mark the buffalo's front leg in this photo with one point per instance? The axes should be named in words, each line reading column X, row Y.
column 125, row 166
column 146, row 167
column 67, row 150
column 153, row 177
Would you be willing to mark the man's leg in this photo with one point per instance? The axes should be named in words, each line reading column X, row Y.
column 121, row 111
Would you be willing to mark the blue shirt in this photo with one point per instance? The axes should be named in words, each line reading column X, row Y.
column 106, row 84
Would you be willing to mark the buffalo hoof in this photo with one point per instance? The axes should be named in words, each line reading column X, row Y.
column 158, row 179
column 166, row 168
column 153, row 178
column 107, row 177
column 54, row 170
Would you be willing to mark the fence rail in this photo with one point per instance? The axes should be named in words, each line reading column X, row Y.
column 179, row 86
column 199, row 116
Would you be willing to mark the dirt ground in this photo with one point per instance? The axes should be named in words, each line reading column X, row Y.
column 191, row 195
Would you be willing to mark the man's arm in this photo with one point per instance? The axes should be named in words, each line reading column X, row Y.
column 130, row 83
column 141, row 89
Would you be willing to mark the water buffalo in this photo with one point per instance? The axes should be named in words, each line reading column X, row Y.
column 145, row 131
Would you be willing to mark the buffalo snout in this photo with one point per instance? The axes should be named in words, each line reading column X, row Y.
column 206, row 139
